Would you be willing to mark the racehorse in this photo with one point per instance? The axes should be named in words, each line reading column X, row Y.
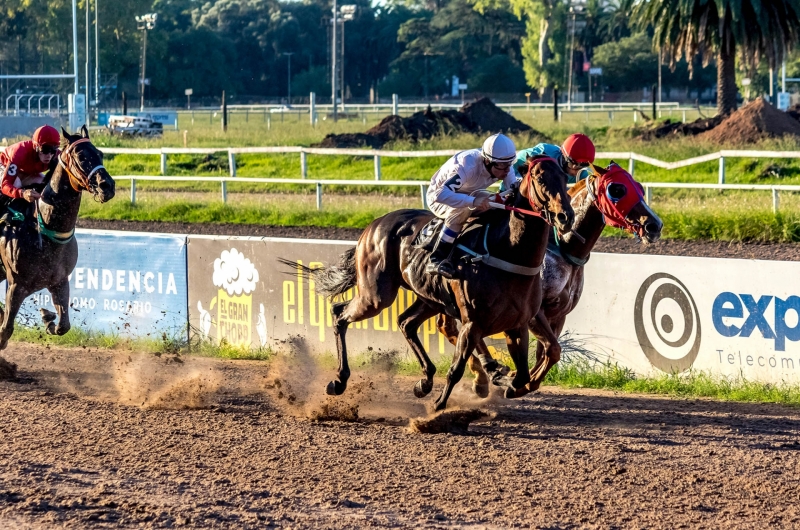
column 487, row 300
column 608, row 197
column 43, row 252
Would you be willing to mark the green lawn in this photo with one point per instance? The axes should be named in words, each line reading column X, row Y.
column 689, row 214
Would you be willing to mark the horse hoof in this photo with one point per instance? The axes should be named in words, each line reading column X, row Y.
column 62, row 331
column 482, row 391
column 335, row 388
column 510, row 393
column 438, row 406
column 423, row 388
column 51, row 329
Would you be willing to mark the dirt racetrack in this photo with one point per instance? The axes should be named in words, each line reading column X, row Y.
column 116, row 440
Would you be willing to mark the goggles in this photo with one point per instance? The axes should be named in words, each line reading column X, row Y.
column 570, row 162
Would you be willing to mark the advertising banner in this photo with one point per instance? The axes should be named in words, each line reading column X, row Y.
column 664, row 314
column 239, row 292
column 125, row 283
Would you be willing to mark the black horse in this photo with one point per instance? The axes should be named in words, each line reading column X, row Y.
column 43, row 251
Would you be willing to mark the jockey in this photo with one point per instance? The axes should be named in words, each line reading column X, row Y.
column 23, row 163
column 574, row 155
column 452, row 194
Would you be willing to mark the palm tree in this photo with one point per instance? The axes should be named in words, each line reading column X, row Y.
column 757, row 29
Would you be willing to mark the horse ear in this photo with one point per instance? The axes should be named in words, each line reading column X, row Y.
column 66, row 135
column 84, row 131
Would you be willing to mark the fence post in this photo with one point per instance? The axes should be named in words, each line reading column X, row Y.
column 722, row 170
column 133, row 191
column 684, row 117
column 303, row 165
column 631, row 164
column 319, row 196
column 312, row 107
column 377, row 167
column 648, row 194
column 224, row 192
column 163, row 163
column 232, row 163
column 775, row 200
column 423, row 191
column 395, row 105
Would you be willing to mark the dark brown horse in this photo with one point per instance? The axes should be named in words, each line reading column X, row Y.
column 487, row 300
column 42, row 252
column 610, row 197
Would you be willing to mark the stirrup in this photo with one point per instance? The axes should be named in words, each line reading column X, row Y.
column 444, row 268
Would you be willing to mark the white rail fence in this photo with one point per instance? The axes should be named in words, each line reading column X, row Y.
column 377, row 155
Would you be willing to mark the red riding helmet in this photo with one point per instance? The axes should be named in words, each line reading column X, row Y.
column 46, row 135
column 579, row 148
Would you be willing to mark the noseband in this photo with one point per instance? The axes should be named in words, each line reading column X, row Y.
column 78, row 178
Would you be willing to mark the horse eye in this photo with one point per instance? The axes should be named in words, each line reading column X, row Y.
column 616, row 191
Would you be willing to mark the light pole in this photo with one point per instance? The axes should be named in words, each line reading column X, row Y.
column 96, row 57
column 145, row 23
column 346, row 14
column 289, row 90
column 334, row 53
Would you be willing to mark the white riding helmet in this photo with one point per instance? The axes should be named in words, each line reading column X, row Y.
column 499, row 148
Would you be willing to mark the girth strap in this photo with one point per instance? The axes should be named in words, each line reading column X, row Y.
column 500, row 264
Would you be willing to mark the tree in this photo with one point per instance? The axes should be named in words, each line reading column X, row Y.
column 756, row 29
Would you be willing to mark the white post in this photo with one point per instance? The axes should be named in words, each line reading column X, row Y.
column 319, row 196
column 224, row 192
column 648, row 194
column 312, row 107
column 775, row 200
column 423, row 191
column 232, row 163
column 631, row 164
column 377, row 167
column 395, row 105
column 303, row 165
column 684, row 117
column 133, row 191
column 163, row 163
column 722, row 170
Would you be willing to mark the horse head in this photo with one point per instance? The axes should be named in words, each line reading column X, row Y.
column 621, row 201
column 83, row 163
column 545, row 188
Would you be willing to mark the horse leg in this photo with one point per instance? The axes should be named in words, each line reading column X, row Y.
column 410, row 321
column 552, row 349
column 480, row 362
column 344, row 313
column 468, row 337
column 15, row 295
column 517, row 343
column 60, row 294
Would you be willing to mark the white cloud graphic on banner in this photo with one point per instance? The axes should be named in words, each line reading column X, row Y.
column 235, row 273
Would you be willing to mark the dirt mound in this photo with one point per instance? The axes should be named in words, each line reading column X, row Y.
column 8, row 371
column 456, row 421
column 676, row 128
column 751, row 123
column 481, row 116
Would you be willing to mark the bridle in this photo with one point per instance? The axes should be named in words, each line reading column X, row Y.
column 535, row 198
column 612, row 214
column 78, row 178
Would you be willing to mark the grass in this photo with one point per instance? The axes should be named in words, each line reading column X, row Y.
column 688, row 214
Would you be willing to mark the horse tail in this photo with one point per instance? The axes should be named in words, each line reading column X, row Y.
column 331, row 280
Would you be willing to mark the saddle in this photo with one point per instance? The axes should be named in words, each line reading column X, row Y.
column 470, row 246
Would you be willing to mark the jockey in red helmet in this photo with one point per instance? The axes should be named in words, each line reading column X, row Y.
column 22, row 164
column 574, row 155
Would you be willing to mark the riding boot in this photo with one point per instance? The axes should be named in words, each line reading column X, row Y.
column 439, row 260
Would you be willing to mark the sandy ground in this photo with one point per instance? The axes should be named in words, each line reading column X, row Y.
column 117, row 440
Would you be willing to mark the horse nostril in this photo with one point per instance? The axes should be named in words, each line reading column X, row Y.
column 651, row 228
column 562, row 218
